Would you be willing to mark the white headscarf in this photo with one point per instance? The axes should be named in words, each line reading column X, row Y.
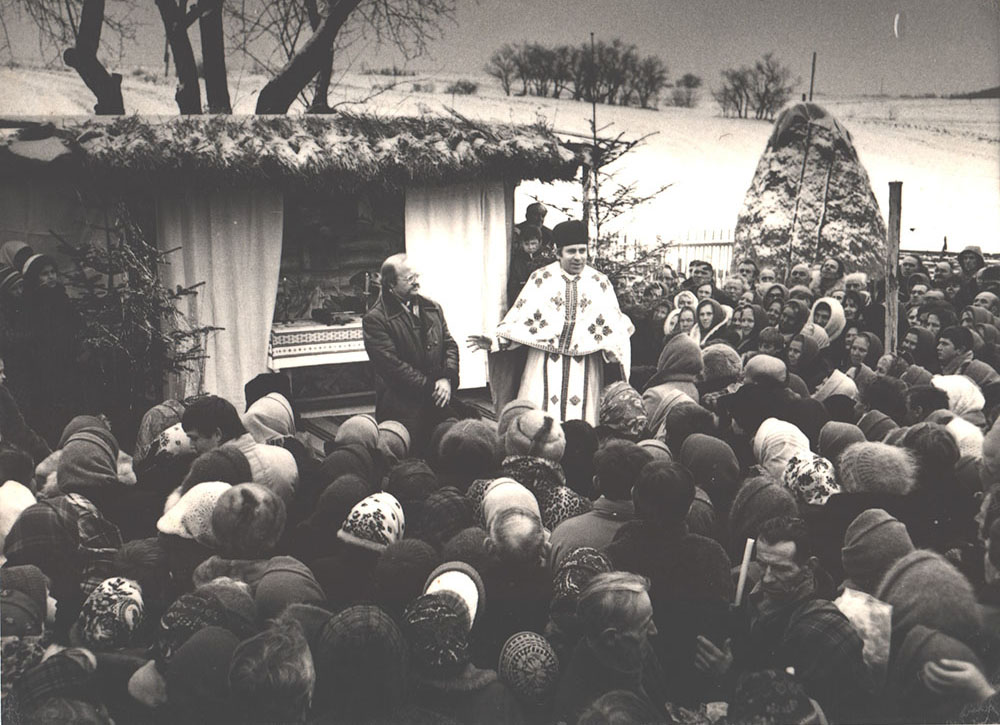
column 776, row 442
column 269, row 418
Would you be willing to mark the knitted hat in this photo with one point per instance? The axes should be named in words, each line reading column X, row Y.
column 444, row 514
column 393, row 440
column 569, row 233
column 436, row 628
column 462, row 580
column 529, row 667
column 924, row 588
column 559, row 504
column 511, row 412
column 469, row 545
column 30, row 581
column 20, row 615
column 765, row 369
column 535, row 433
column 191, row 516
column 111, row 615
column 269, row 418
column 876, row 468
column 835, row 436
column 916, row 375
column 659, row 449
column 225, row 463
column 374, row 522
column 722, row 364
column 197, row 680
column 401, row 572
column 411, row 480
column 248, row 520
column 361, row 429
column 361, row 663
column 221, row 603
column 504, row 493
column 873, row 542
column 810, row 478
column 876, row 425
column 964, row 396
column 286, row 581
column 621, row 409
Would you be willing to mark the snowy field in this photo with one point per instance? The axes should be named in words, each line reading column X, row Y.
column 946, row 153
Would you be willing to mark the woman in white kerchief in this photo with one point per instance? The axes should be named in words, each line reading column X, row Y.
column 567, row 323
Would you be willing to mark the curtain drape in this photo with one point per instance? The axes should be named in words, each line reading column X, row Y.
column 231, row 241
column 457, row 239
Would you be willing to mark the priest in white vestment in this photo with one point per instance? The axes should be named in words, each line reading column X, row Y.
column 568, row 321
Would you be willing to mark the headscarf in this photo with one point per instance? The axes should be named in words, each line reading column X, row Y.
column 270, row 418
column 750, row 342
column 810, row 478
column 775, row 444
column 714, row 466
column 775, row 292
column 875, row 349
column 622, row 411
column 679, row 361
column 720, row 318
column 685, row 298
column 156, row 420
column 835, row 437
column 837, row 322
column 89, row 457
column 801, row 315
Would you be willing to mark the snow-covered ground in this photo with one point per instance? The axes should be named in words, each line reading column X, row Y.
column 946, row 153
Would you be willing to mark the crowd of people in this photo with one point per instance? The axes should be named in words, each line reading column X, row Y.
column 774, row 520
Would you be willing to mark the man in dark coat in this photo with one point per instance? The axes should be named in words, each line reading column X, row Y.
column 414, row 356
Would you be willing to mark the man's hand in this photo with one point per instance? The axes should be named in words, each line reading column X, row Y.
column 442, row 393
column 712, row 660
column 948, row 676
column 479, row 342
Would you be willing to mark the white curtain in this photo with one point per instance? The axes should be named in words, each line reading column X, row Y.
column 457, row 239
column 231, row 241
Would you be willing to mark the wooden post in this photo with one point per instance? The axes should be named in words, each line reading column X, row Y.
column 812, row 77
column 892, row 265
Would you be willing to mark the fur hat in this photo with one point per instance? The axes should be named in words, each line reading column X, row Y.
column 374, row 522
column 722, row 364
column 393, row 440
column 877, row 468
column 191, row 516
column 469, row 545
column 529, row 667
column 535, row 433
column 463, row 581
column 248, row 520
column 873, row 542
column 924, row 588
column 361, row 429
column 511, row 412
column 876, row 425
column 811, row 478
column 111, row 615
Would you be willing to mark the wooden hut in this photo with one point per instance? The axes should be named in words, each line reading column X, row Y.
column 293, row 213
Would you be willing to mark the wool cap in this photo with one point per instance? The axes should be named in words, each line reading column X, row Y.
column 20, row 615
column 285, row 581
column 444, row 513
column 964, row 396
column 248, row 520
column 393, row 439
column 535, row 433
column 411, row 480
column 569, row 233
column 401, row 572
column 511, row 412
column 529, row 666
column 464, row 581
column 873, row 542
column 951, row 607
column 361, row 429
column 722, row 364
column 375, row 522
column 436, row 628
column 111, row 615
column 469, row 446
column 30, row 581
column 835, row 436
column 876, row 425
column 765, row 369
column 877, row 468
column 757, row 500
column 810, row 478
column 659, row 449
column 334, row 504
column 916, row 375
column 225, row 463
column 191, row 516
column 348, row 458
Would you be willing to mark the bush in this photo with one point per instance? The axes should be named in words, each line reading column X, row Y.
column 423, row 87
column 393, row 71
column 463, row 88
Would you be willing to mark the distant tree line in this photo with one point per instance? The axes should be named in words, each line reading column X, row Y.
column 757, row 91
column 613, row 73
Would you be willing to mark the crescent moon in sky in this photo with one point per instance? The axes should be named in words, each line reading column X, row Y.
column 897, row 26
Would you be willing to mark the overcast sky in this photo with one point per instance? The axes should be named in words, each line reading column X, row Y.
column 944, row 46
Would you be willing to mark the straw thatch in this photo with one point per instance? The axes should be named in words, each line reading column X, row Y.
column 342, row 151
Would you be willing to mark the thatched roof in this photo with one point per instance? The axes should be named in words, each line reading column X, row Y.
column 342, row 151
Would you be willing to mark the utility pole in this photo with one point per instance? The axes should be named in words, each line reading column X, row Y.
column 812, row 77
column 892, row 265
column 595, row 180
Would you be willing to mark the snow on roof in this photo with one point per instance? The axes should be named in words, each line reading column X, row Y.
column 325, row 151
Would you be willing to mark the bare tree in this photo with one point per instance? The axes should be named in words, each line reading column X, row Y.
column 650, row 79
column 503, row 67
column 734, row 95
column 176, row 21
column 685, row 90
column 763, row 89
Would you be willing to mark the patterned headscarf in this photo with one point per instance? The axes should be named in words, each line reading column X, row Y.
column 622, row 411
column 111, row 615
column 810, row 478
column 374, row 522
column 156, row 420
